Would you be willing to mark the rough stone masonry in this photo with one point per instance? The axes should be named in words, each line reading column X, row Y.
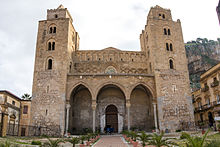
column 76, row 90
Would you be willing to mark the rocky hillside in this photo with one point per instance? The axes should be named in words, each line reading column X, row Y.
column 202, row 54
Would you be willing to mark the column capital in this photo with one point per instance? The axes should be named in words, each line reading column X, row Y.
column 128, row 103
column 154, row 103
column 93, row 107
column 68, row 106
column 94, row 104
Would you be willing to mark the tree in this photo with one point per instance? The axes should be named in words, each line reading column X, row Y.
column 194, row 141
column 158, row 140
column 26, row 96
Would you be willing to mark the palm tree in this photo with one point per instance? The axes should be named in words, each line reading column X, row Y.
column 74, row 141
column 52, row 143
column 26, row 96
column 194, row 141
column 144, row 138
column 134, row 135
column 158, row 140
column 83, row 138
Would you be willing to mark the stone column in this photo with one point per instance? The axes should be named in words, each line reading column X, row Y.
column 155, row 116
column 4, row 120
column 67, row 117
column 93, row 115
column 128, row 105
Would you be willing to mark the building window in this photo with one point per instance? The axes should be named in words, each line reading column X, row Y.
column 201, row 117
column 25, row 109
column 199, row 104
column 217, row 97
column 53, row 46
column 167, row 46
column 48, row 88
column 50, row 64
column 171, row 47
column 171, row 64
column 169, row 33
column 54, row 30
column 159, row 14
column 208, row 101
column 163, row 16
column 56, row 16
column 51, row 30
column 49, row 46
column 13, row 102
column 165, row 31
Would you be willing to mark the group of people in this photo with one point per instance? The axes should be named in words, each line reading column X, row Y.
column 109, row 129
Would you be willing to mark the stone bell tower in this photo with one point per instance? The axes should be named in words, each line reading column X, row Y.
column 162, row 40
column 56, row 41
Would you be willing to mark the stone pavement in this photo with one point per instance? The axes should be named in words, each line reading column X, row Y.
column 111, row 141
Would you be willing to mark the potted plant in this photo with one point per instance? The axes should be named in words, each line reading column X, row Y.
column 158, row 140
column 144, row 138
column 134, row 136
column 73, row 141
column 82, row 138
column 202, row 124
column 88, row 137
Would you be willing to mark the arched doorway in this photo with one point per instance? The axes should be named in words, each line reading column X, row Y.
column 80, row 114
column 111, row 117
column 141, row 110
column 211, row 119
column 110, row 97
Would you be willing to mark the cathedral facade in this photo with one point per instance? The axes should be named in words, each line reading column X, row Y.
column 74, row 89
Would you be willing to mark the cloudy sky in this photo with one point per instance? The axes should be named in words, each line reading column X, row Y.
column 100, row 23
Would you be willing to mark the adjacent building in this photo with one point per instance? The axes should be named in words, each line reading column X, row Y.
column 74, row 89
column 206, row 100
column 14, row 113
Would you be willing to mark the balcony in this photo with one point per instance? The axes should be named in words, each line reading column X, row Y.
column 206, row 106
column 214, row 83
column 206, row 88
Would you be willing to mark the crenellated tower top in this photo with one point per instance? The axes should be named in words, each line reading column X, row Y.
column 60, row 12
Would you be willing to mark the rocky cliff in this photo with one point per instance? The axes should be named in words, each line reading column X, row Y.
column 202, row 54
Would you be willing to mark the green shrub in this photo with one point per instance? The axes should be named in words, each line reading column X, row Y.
column 178, row 130
column 35, row 142
column 213, row 143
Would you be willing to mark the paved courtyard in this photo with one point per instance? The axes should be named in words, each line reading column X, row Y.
column 111, row 141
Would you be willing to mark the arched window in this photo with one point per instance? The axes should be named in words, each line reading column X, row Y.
column 50, row 64
column 54, row 30
column 169, row 32
column 165, row 31
column 163, row 16
column 56, row 16
column 171, row 47
column 49, row 46
column 167, row 46
column 171, row 64
column 53, row 46
column 51, row 30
